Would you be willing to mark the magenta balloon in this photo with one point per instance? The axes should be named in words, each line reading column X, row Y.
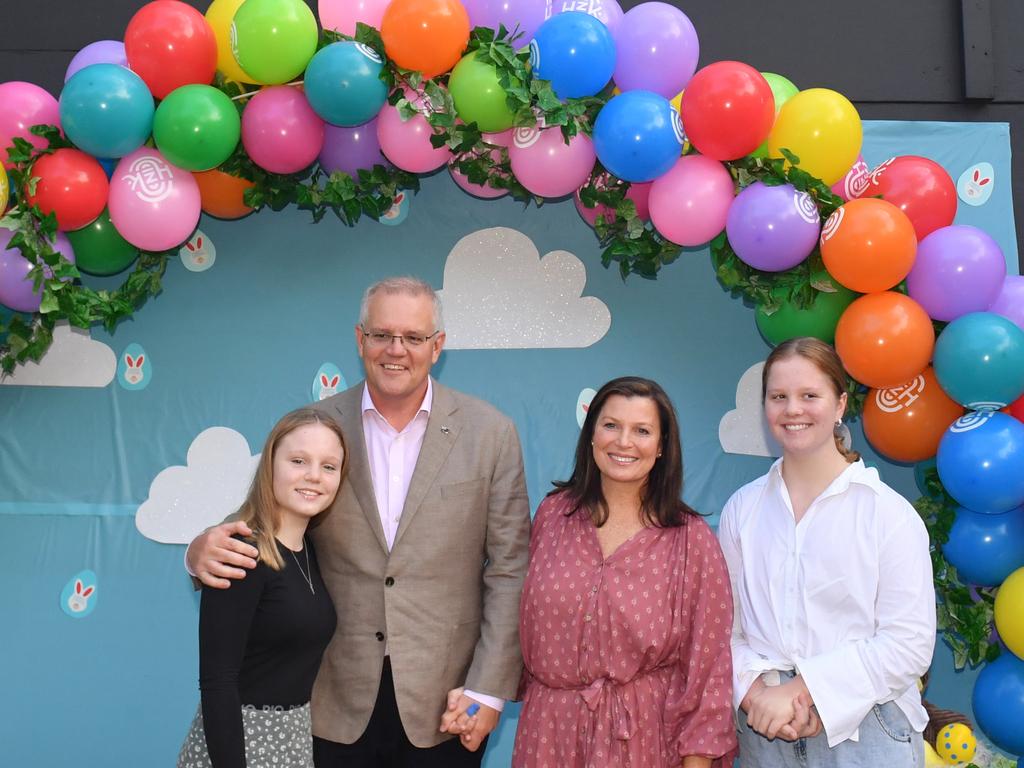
column 855, row 182
column 351, row 149
column 153, row 204
column 608, row 12
column 23, row 105
column 1010, row 301
column 280, row 131
column 546, row 165
column 342, row 15
column 526, row 15
column 657, row 49
column 15, row 285
column 690, row 203
column 959, row 269
column 773, row 227
column 407, row 143
column 100, row 52
column 484, row 191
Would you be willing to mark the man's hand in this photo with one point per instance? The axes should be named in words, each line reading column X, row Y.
column 470, row 719
column 212, row 554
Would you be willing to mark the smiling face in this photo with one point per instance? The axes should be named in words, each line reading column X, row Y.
column 398, row 372
column 307, row 471
column 626, row 440
column 801, row 407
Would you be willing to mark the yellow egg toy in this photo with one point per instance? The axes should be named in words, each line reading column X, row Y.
column 956, row 744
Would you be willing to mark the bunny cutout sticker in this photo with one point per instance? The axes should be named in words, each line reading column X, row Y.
column 198, row 254
column 328, row 381
column 78, row 599
column 133, row 368
column 975, row 184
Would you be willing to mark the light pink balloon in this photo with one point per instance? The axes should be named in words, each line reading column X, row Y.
column 546, row 165
column 638, row 193
column 342, row 15
column 23, row 105
column 280, row 131
column 855, row 181
column 484, row 191
column 153, row 204
column 690, row 203
column 407, row 143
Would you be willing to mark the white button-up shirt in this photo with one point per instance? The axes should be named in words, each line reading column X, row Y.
column 845, row 597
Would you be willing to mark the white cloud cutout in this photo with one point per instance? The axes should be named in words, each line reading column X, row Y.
column 184, row 501
column 500, row 294
column 743, row 430
column 74, row 359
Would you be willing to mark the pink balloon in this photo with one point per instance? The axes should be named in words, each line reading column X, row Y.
column 153, row 204
column 637, row 192
column 342, row 15
column 23, row 105
column 855, row 182
column 485, row 191
column 15, row 286
column 280, row 131
column 690, row 203
column 407, row 143
column 546, row 165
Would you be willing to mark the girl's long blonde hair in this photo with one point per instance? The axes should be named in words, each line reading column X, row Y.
column 259, row 510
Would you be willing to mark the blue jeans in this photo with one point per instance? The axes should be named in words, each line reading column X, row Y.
column 886, row 741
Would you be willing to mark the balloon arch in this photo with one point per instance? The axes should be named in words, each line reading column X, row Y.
column 606, row 106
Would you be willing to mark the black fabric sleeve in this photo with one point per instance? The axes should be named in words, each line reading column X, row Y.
column 225, row 618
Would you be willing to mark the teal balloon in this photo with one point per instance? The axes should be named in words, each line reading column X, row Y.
column 343, row 85
column 979, row 360
column 106, row 110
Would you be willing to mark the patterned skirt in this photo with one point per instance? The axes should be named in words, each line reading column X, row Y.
column 274, row 737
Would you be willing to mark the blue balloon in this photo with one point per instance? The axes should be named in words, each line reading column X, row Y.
column 106, row 110
column 108, row 164
column 998, row 702
column 979, row 360
column 575, row 52
column 985, row 549
column 981, row 461
column 343, row 85
column 638, row 135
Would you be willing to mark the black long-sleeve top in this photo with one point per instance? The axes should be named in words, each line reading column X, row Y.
column 260, row 643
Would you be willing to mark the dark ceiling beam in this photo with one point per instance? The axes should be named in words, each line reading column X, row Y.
column 979, row 59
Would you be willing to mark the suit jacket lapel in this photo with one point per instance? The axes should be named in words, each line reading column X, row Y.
column 443, row 427
column 348, row 407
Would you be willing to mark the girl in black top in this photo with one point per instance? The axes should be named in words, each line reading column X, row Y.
column 260, row 641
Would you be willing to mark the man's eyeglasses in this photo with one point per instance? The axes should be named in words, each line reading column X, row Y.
column 384, row 339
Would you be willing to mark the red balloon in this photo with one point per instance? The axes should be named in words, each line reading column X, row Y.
column 919, row 187
column 72, row 185
column 1017, row 409
column 170, row 44
column 728, row 110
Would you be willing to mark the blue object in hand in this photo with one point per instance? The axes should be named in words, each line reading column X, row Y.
column 472, row 709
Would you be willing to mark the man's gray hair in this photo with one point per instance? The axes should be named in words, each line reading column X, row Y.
column 410, row 286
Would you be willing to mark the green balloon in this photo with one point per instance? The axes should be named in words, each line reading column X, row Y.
column 478, row 96
column 783, row 90
column 819, row 320
column 196, row 127
column 273, row 40
column 100, row 249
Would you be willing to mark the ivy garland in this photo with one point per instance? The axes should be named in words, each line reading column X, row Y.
column 965, row 614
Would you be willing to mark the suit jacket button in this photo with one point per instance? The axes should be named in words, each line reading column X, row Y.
column 380, row 636
column 389, row 581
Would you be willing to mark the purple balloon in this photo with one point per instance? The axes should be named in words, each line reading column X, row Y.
column 15, row 287
column 100, row 52
column 773, row 228
column 959, row 269
column 1010, row 301
column 608, row 12
column 657, row 49
column 527, row 15
column 349, row 149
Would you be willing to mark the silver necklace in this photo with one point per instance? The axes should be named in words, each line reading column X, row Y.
column 307, row 575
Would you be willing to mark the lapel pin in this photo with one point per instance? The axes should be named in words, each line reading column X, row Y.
column 445, row 430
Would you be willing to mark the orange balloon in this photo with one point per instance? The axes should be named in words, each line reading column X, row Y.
column 868, row 245
column 221, row 194
column 906, row 422
column 885, row 339
column 428, row 36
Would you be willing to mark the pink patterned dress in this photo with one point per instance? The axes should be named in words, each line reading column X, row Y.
column 628, row 660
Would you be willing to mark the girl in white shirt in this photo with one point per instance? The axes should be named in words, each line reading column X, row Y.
column 833, row 591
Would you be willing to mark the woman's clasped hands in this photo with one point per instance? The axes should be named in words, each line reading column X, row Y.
column 784, row 711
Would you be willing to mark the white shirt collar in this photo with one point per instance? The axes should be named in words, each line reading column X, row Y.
column 856, row 472
column 428, row 399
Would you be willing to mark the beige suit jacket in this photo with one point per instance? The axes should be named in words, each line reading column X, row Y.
column 446, row 598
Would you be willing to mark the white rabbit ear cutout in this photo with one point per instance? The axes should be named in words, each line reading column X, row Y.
column 78, row 600
column 135, row 370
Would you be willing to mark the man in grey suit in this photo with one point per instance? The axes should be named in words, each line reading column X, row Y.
column 424, row 554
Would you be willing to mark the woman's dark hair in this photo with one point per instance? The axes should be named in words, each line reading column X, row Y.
column 661, row 499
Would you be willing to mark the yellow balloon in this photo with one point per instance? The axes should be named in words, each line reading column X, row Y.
column 956, row 744
column 219, row 16
column 822, row 128
column 677, row 101
column 4, row 191
column 931, row 758
column 1010, row 612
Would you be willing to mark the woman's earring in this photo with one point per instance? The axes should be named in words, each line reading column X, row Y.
column 839, row 423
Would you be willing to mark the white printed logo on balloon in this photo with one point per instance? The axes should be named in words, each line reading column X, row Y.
column 896, row 399
column 677, row 127
column 369, row 53
column 805, row 206
column 832, row 224
column 151, row 179
column 877, row 173
column 971, row 421
column 857, row 179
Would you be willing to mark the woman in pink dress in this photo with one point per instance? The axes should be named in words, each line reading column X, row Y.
column 626, row 611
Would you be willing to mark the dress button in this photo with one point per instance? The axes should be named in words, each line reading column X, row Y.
column 380, row 636
column 594, row 588
column 389, row 582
